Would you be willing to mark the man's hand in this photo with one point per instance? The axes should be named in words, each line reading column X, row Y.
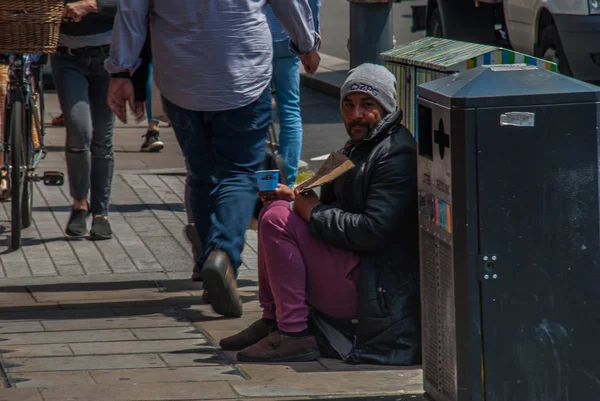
column 76, row 11
column 305, row 203
column 283, row 192
column 120, row 93
column 311, row 61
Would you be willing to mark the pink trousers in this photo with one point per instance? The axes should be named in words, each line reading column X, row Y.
column 296, row 270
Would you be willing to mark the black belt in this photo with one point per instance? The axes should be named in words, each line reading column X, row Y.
column 84, row 51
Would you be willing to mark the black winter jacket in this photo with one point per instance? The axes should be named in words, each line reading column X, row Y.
column 372, row 210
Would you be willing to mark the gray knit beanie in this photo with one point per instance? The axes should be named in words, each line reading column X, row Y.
column 374, row 80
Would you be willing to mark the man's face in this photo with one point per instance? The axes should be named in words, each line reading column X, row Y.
column 361, row 114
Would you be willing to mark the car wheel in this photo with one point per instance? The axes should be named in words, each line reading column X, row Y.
column 551, row 49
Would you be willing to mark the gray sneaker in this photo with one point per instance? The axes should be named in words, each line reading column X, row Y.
column 153, row 142
column 100, row 229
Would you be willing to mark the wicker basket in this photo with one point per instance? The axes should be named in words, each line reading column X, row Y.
column 30, row 26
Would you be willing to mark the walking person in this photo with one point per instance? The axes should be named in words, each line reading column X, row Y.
column 82, row 87
column 212, row 64
column 286, row 82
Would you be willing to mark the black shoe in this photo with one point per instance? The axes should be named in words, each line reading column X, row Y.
column 100, row 229
column 152, row 142
column 220, row 281
column 197, row 274
column 249, row 336
column 277, row 347
column 77, row 226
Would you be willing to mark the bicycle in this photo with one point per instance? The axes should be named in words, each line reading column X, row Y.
column 23, row 140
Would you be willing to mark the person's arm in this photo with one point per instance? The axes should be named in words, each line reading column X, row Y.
column 391, row 197
column 130, row 31
column 296, row 17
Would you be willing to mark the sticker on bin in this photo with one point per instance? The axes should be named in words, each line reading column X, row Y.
column 510, row 67
column 436, row 210
column 517, row 119
column 427, row 206
column 448, row 218
column 444, row 215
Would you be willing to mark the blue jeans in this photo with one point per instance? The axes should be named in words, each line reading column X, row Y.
column 82, row 87
column 286, row 78
column 149, row 96
column 223, row 149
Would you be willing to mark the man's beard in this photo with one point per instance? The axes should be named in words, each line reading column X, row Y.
column 359, row 123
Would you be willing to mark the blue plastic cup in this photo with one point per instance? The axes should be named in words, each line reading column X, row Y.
column 267, row 180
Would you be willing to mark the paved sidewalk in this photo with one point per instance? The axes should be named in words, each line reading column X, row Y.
column 330, row 76
column 120, row 319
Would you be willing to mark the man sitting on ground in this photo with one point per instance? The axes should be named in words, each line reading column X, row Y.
column 353, row 252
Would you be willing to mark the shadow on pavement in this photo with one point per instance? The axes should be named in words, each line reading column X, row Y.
column 112, row 299
column 131, row 208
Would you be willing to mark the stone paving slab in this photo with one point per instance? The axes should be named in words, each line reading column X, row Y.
column 110, row 323
column 88, row 362
column 140, row 347
column 318, row 384
column 141, row 392
column 185, row 374
column 20, row 327
column 39, row 315
column 20, row 394
column 168, row 333
column 35, row 350
column 210, row 358
column 51, row 379
column 65, row 336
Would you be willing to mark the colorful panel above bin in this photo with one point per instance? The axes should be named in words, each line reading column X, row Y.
column 452, row 56
column 431, row 58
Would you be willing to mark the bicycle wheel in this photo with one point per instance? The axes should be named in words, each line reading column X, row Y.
column 16, row 161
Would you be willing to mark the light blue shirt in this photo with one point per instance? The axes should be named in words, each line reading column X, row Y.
column 278, row 32
column 208, row 55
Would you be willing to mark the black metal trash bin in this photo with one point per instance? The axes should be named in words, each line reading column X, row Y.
column 510, row 236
